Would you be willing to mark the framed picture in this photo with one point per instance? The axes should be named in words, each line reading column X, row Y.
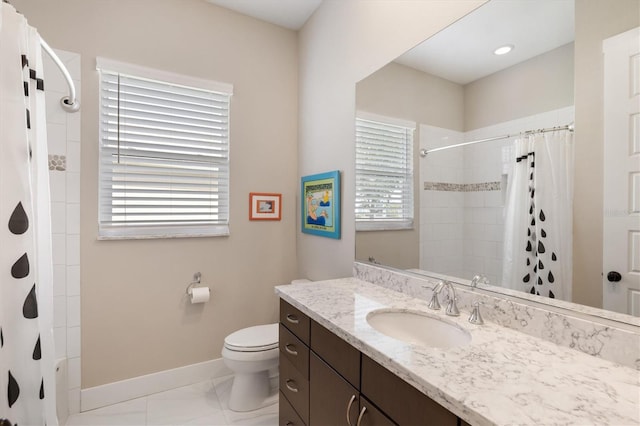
column 320, row 199
column 264, row 206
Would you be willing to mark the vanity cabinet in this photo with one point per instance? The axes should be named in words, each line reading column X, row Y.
column 326, row 381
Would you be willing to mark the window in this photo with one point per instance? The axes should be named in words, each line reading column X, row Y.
column 384, row 173
column 164, row 154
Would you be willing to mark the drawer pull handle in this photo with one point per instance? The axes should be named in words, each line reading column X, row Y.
column 361, row 415
column 353, row 398
column 291, row 387
column 292, row 319
column 291, row 351
column 289, row 424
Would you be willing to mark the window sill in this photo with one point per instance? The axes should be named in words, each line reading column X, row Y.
column 150, row 233
column 384, row 226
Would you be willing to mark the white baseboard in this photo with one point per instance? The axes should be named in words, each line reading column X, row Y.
column 136, row 387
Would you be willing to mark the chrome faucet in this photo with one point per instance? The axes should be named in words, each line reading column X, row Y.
column 434, row 303
column 452, row 306
column 479, row 279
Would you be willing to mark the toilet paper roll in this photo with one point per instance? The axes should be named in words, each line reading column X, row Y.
column 199, row 294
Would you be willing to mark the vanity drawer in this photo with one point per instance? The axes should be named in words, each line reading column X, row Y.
column 295, row 321
column 287, row 416
column 340, row 355
column 403, row 403
column 294, row 350
column 295, row 388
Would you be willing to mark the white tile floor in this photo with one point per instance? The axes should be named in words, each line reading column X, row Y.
column 203, row 403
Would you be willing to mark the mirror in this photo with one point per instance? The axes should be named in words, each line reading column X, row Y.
column 455, row 89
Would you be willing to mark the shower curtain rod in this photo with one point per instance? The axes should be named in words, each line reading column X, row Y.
column 569, row 127
column 69, row 103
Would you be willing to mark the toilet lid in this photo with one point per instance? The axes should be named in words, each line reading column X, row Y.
column 253, row 339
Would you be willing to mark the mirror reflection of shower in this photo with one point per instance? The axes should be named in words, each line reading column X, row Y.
column 464, row 199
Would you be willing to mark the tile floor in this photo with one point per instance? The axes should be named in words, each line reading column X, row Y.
column 203, row 403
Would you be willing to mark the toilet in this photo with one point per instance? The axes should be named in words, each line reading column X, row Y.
column 250, row 353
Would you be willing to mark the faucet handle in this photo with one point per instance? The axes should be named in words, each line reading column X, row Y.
column 475, row 317
column 452, row 306
column 434, row 303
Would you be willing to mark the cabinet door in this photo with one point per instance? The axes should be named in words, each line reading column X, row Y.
column 332, row 398
column 370, row 416
column 400, row 401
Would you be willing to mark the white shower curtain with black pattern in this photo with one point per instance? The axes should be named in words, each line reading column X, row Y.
column 27, row 387
column 539, row 216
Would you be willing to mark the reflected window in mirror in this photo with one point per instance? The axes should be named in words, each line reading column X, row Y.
column 384, row 173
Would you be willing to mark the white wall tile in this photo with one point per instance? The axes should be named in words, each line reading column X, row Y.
column 73, row 342
column 55, row 114
column 60, row 341
column 58, row 217
column 59, row 247
column 59, row 280
column 63, row 131
column 58, row 186
column 73, row 372
column 59, row 311
column 57, row 138
column 72, row 211
column 73, row 249
column 73, row 311
column 73, row 123
column 73, row 187
column 73, row 156
column 73, row 280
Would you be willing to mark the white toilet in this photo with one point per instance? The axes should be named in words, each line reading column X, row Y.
column 250, row 353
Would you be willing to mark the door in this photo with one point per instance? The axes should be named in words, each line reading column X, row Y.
column 621, row 241
column 333, row 401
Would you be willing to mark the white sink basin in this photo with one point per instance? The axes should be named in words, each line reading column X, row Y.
column 418, row 328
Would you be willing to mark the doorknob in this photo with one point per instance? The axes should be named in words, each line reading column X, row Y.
column 614, row 276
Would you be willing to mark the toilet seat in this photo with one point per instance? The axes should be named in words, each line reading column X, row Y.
column 259, row 338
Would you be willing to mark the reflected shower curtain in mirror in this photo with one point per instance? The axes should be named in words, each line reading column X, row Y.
column 538, row 216
column 27, row 389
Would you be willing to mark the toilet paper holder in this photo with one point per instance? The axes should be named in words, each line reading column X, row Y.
column 197, row 278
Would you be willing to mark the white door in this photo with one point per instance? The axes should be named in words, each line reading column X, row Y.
column 621, row 245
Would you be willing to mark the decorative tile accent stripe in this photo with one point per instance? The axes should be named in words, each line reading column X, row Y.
column 462, row 187
column 58, row 162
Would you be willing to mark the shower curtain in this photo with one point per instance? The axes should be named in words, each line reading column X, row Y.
column 538, row 216
column 27, row 388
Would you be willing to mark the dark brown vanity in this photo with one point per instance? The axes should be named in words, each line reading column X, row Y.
column 326, row 381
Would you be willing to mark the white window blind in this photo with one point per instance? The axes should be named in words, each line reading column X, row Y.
column 384, row 174
column 164, row 158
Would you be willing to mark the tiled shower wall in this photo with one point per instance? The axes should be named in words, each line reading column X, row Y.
column 63, row 138
column 463, row 194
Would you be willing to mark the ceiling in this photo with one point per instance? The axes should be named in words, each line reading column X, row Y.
column 463, row 52
column 290, row 14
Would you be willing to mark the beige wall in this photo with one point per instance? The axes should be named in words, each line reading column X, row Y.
column 135, row 319
column 596, row 20
column 402, row 92
column 543, row 83
column 344, row 41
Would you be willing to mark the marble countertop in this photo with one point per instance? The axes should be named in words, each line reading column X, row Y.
column 502, row 377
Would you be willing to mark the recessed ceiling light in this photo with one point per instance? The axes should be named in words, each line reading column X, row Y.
column 503, row 50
